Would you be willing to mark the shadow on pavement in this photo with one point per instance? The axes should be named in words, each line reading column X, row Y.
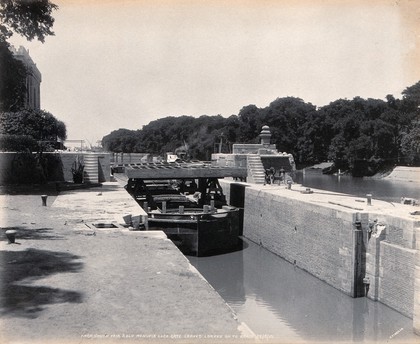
column 30, row 234
column 19, row 268
column 30, row 189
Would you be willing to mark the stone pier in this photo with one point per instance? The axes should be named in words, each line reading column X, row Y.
column 66, row 281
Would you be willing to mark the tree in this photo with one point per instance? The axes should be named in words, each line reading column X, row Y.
column 250, row 124
column 361, row 135
column 29, row 18
column 361, row 139
column 411, row 96
column 121, row 140
column 338, row 151
column 386, row 139
column 410, row 145
column 316, row 138
column 286, row 118
column 38, row 124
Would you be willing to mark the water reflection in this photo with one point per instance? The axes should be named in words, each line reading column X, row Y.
column 384, row 189
column 274, row 298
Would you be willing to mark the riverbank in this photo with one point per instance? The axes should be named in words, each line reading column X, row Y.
column 404, row 173
column 65, row 281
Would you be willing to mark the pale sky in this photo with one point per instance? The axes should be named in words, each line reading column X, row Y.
column 121, row 64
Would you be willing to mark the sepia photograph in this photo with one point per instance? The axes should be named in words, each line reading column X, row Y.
column 209, row 171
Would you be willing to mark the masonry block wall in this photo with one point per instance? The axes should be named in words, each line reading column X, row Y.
column 6, row 166
column 26, row 168
column 221, row 159
column 321, row 240
column 67, row 160
column 104, row 167
column 392, row 272
column 58, row 166
column 313, row 237
column 396, row 278
column 127, row 158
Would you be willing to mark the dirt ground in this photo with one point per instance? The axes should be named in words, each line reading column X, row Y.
column 62, row 281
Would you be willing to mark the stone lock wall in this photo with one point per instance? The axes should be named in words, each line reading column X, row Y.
column 396, row 278
column 390, row 261
column 362, row 253
column 315, row 238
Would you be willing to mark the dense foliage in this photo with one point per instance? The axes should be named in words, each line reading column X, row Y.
column 31, row 19
column 18, row 143
column 359, row 135
column 39, row 125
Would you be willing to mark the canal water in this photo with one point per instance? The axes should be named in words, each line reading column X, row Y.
column 282, row 303
column 383, row 189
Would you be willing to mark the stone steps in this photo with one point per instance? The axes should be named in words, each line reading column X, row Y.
column 256, row 172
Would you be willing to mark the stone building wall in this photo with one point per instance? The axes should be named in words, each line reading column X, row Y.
column 33, row 78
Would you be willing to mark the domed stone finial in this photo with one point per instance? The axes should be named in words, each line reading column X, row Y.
column 265, row 135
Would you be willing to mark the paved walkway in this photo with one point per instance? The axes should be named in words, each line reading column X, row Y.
column 333, row 200
column 64, row 281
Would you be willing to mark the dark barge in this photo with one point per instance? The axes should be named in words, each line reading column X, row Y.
column 186, row 201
